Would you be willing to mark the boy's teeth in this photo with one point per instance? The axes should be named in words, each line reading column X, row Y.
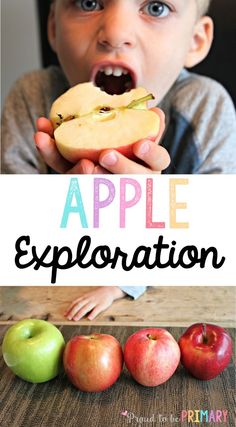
column 115, row 71
column 108, row 71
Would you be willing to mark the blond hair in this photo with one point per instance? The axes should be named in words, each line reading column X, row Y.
column 203, row 6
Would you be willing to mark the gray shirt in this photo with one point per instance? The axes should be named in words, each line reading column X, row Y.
column 200, row 131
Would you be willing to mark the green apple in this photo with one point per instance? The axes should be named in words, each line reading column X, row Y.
column 33, row 350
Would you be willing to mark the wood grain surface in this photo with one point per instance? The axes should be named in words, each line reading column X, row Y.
column 173, row 306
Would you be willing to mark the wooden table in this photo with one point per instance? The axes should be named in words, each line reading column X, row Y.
column 172, row 306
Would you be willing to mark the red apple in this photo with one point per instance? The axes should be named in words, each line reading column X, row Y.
column 151, row 355
column 205, row 350
column 87, row 120
column 93, row 362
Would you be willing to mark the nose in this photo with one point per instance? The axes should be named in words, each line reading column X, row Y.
column 116, row 30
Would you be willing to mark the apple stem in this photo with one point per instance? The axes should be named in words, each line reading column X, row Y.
column 151, row 337
column 140, row 100
column 204, row 333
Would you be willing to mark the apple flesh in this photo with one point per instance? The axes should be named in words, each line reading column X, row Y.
column 33, row 350
column 151, row 355
column 93, row 362
column 87, row 120
column 206, row 350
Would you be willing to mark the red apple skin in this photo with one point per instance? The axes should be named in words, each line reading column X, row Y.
column 93, row 362
column 205, row 358
column 151, row 355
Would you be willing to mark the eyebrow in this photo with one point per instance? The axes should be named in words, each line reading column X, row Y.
column 176, row 3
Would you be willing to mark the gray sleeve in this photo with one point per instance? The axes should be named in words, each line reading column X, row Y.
column 209, row 109
column 31, row 97
column 133, row 291
column 19, row 154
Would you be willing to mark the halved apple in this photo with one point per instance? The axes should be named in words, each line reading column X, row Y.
column 87, row 120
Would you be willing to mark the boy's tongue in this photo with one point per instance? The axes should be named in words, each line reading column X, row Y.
column 114, row 85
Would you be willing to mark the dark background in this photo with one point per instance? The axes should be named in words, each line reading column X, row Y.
column 220, row 63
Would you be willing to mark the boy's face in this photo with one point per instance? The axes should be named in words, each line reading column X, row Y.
column 141, row 42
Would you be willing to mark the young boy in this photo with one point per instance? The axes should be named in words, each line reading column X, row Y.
column 120, row 44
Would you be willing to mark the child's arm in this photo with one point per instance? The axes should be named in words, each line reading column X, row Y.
column 153, row 155
column 93, row 302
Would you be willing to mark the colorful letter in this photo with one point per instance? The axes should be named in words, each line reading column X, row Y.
column 211, row 416
column 174, row 205
column 204, row 414
column 125, row 204
column 99, row 204
column 183, row 415
column 74, row 191
column 218, row 416
column 225, row 414
column 190, row 416
column 149, row 203
column 197, row 416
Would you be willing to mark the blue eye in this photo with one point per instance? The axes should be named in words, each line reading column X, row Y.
column 157, row 9
column 88, row 5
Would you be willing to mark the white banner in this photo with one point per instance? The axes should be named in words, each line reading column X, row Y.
column 118, row 230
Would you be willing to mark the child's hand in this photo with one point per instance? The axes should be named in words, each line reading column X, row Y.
column 154, row 157
column 93, row 302
column 46, row 145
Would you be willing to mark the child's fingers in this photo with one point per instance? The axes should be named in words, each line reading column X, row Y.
column 52, row 157
column 50, row 154
column 72, row 305
column 116, row 163
column 86, row 166
column 74, row 308
column 44, row 125
column 99, row 170
column 94, row 313
column 153, row 155
column 82, row 167
column 83, row 311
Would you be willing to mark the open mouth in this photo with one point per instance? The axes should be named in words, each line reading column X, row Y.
column 114, row 80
